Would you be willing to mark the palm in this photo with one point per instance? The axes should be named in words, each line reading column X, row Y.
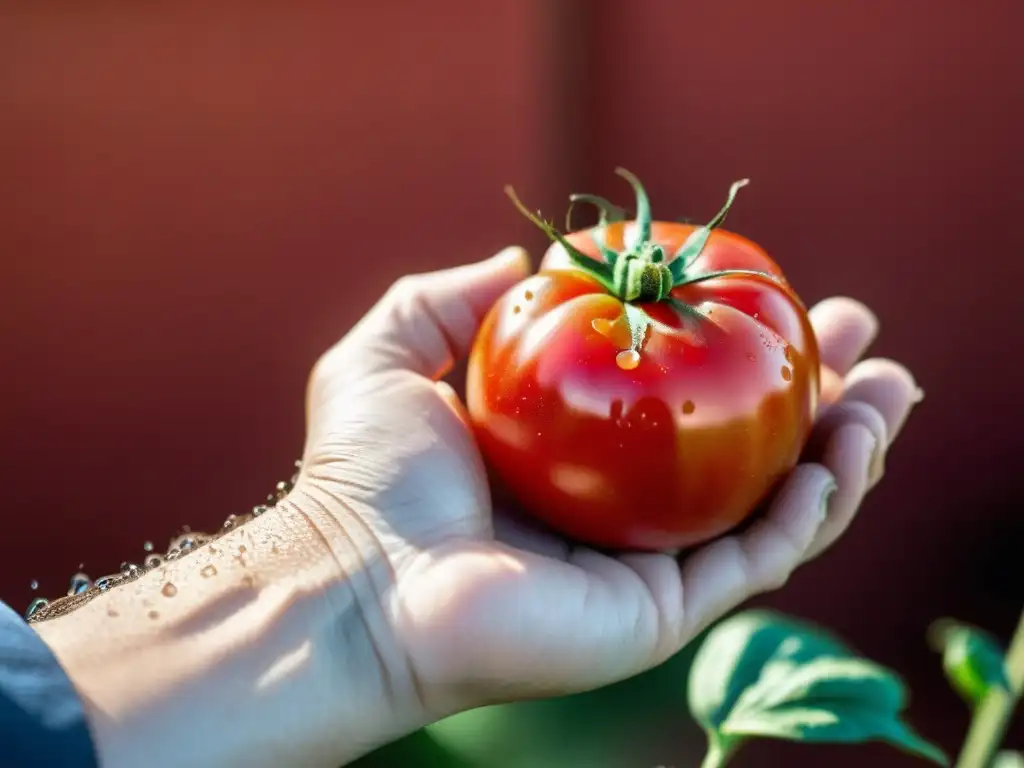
column 488, row 601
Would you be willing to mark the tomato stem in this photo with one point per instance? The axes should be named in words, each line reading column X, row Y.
column 640, row 272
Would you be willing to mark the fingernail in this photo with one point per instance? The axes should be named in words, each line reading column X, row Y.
column 826, row 496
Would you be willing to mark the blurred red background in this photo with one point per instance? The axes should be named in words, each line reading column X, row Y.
column 196, row 200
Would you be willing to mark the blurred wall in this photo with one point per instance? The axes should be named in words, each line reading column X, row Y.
column 196, row 200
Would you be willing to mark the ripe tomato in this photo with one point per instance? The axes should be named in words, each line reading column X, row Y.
column 648, row 387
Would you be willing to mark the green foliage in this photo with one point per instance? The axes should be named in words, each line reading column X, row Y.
column 973, row 660
column 1008, row 759
column 762, row 675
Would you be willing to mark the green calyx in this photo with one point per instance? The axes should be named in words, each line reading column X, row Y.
column 641, row 272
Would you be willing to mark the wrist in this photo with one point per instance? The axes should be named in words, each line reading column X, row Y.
column 255, row 649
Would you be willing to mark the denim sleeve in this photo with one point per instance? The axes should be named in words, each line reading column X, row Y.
column 42, row 721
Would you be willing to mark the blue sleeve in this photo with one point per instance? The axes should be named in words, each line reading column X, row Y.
column 42, row 721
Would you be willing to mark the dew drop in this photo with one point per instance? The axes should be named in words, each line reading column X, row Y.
column 105, row 582
column 516, row 309
column 601, row 325
column 230, row 522
column 689, row 407
column 169, row 590
column 787, row 372
column 148, row 546
column 259, row 510
column 627, row 359
column 208, row 571
column 35, row 605
column 33, row 585
column 154, row 561
column 154, row 614
column 756, row 315
column 80, row 582
column 129, row 570
column 528, row 295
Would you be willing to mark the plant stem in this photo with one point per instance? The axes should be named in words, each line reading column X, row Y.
column 992, row 715
column 719, row 752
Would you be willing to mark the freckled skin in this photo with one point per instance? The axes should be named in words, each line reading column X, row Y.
column 662, row 452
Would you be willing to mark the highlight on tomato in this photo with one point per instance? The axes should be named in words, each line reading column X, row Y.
column 649, row 386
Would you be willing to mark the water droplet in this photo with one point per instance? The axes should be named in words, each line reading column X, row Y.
column 516, row 309
column 756, row 315
column 616, row 331
column 787, row 372
column 689, row 407
column 129, row 569
column 33, row 585
column 148, row 546
column 627, row 359
column 105, row 582
column 259, row 510
column 208, row 571
column 111, row 612
column 528, row 295
column 154, row 614
column 154, row 561
column 751, row 357
column 230, row 522
column 169, row 590
column 35, row 605
column 80, row 582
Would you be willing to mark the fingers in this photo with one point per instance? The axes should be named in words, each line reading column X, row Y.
column 851, row 438
column 425, row 322
column 845, row 329
column 729, row 570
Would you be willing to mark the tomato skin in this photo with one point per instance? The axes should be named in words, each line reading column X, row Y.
column 672, row 452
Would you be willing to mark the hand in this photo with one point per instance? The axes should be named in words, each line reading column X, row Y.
column 470, row 606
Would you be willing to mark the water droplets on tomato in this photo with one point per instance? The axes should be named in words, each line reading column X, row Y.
column 787, row 373
column 627, row 359
column 689, row 407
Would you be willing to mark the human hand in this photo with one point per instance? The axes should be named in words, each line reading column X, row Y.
column 469, row 605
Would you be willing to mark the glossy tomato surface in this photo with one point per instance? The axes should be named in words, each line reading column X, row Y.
column 658, row 451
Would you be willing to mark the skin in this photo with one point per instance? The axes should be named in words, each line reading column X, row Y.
column 391, row 589
column 714, row 414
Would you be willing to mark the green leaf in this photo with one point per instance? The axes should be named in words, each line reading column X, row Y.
column 973, row 660
column 759, row 674
column 1008, row 759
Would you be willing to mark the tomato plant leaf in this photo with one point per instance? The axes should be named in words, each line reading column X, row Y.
column 1008, row 759
column 973, row 660
column 762, row 675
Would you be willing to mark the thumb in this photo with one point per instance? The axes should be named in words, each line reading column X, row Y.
column 425, row 322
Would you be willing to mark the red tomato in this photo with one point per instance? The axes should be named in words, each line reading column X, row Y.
column 646, row 393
